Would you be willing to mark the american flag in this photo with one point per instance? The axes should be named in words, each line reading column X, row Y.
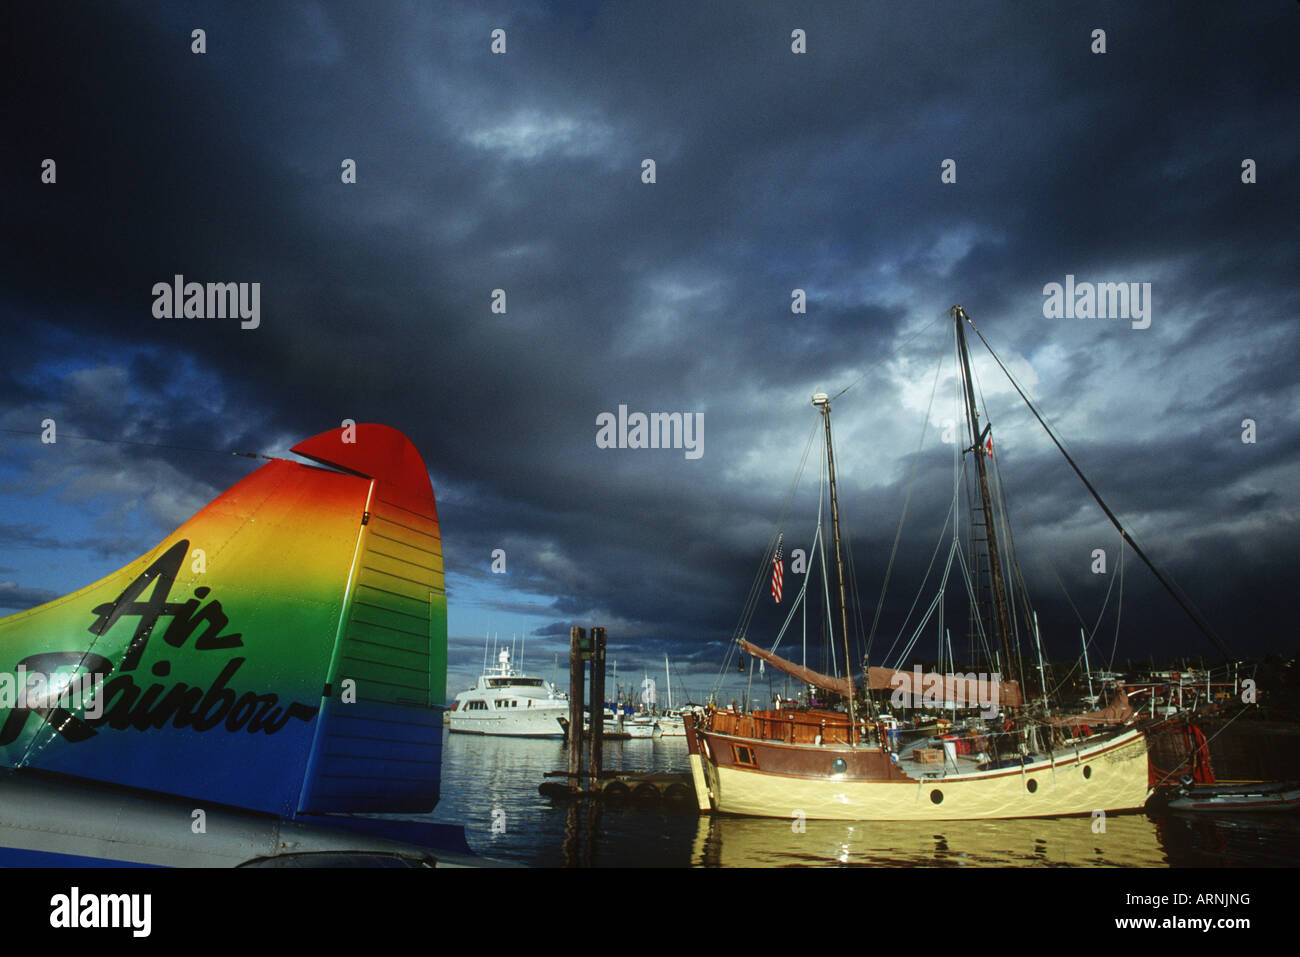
column 778, row 572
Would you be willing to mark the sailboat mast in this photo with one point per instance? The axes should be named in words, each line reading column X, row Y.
column 995, row 563
column 822, row 401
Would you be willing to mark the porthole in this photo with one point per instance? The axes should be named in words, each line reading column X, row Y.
column 839, row 766
column 1031, row 785
column 936, row 796
column 1087, row 770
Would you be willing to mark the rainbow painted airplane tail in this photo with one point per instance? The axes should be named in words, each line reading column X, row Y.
column 283, row 653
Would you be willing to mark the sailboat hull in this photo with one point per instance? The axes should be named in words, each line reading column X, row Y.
column 1110, row 775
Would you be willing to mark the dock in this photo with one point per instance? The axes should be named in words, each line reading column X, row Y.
column 643, row 789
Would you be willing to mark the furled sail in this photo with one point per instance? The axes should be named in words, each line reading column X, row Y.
column 839, row 686
column 966, row 690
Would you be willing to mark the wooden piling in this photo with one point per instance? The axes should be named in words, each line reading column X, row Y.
column 595, row 754
column 576, row 689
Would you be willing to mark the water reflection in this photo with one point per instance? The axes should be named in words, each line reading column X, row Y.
column 1129, row 840
column 1230, row 840
column 489, row 786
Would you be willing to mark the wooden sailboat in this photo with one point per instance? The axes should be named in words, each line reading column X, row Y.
column 1019, row 761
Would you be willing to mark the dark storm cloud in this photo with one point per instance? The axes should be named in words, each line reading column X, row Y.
column 15, row 596
column 775, row 171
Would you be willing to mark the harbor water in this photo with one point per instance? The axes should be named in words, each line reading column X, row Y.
column 489, row 785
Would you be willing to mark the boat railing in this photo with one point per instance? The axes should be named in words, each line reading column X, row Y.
column 790, row 727
column 832, row 727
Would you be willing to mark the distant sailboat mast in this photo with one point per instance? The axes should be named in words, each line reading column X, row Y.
column 668, row 677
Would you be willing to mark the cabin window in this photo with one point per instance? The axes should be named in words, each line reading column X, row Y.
column 744, row 755
column 1087, row 771
column 936, row 796
column 1031, row 785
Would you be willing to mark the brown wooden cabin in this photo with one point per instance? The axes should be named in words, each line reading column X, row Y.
column 792, row 727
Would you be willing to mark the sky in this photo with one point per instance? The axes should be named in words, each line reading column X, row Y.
column 911, row 157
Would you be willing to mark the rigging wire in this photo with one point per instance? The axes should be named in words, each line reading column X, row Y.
column 764, row 569
column 1091, row 633
column 925, row 578
column 828, row 629
column 911, row 484
column 907, row 342
column 970, row 591
column 1176, row 592
column 1006, row 551
column 1119, row 607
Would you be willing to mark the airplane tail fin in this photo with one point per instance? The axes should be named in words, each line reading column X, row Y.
column 284, row 650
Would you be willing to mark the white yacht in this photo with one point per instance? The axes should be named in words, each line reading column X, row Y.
column 507, row 703
column 672, row 725
column 640, row 726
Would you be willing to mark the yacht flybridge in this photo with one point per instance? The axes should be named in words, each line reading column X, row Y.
column 505, row 702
